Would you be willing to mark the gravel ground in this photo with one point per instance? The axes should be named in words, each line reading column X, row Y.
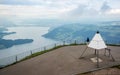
column 63, row 61
column 108, row 71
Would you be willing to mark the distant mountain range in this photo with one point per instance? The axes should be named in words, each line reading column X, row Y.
column 111, row 23
column 6, row 23
column 78, row 31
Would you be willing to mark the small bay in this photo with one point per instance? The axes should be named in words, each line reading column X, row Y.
column 34, row 33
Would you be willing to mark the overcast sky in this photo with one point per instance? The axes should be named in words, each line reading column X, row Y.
column 80, row 10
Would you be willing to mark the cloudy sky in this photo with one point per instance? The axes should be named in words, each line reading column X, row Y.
column 75, row 10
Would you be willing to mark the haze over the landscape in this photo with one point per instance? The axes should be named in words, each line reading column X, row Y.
column 30, row 28
column 21, row 12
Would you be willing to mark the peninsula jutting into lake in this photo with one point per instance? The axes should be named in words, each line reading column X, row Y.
column 9, row 43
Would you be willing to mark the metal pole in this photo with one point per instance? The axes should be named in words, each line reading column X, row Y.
column 109, row 52
column 83, row 52
column 111, row 55
column 75, row 42
column 95, row 52
column 63, row 43
column 31, row 52
column 55, row 44
column 97, row 59
column 105, row 52
column 16, row 58
column 44, row 48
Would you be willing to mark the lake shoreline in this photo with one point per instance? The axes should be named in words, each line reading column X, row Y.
column 9, row 43
column 33, row 33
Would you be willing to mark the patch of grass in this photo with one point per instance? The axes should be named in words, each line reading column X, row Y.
column 74, row 44
column 117, row 66
column 83, row 73
column 113, row 44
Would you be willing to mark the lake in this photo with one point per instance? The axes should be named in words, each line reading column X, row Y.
column 34, row 33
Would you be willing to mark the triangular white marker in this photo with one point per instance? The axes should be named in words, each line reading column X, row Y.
column 97, row 42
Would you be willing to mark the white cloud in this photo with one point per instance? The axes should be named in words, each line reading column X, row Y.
column 114, row 12
column 67, row 9
column 30, row 11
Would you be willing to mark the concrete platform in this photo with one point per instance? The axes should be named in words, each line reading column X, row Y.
column 63, row 61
